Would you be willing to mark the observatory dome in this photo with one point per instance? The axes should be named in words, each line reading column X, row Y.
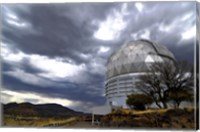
column 135, row 56
column 129, row 62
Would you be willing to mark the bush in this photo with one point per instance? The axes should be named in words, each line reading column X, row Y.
column 138, row 101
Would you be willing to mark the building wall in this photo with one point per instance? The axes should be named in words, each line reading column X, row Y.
column 119, row 87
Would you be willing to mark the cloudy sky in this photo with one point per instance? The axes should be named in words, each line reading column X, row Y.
column 57, row 53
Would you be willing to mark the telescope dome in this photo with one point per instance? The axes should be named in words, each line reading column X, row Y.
column 135, row 56
column 129, row 62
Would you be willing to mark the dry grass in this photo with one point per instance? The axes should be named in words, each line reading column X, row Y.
column 151, row 118
column 37, row 122
column 152, row 111
column 136, row 112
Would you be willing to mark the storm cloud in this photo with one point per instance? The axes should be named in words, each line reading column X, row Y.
column 59, row 51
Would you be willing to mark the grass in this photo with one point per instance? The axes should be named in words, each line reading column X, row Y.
column 159, row 118
column 147, row 111
column 37, row 122
column 136, row 112
column 151, row 118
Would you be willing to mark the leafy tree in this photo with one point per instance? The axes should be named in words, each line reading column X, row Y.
column 165, row 77
column 138, row 101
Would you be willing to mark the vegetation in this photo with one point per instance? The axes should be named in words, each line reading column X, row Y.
column 154, row 118
column 22, row 121
column 42, row 115
column 178, row 96
column 125, row 118
column 168, row 82
column 138, row 101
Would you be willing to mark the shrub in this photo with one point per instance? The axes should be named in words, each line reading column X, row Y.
column 138, row 101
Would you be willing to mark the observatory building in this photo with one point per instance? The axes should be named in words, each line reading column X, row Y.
column 127, row 63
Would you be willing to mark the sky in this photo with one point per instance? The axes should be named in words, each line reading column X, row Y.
column 57, row 53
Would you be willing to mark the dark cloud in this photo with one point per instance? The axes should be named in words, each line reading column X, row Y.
column 61, row 29
column 166, row 13
column 6, row 67
column 188, row 52
column 74, row 92
column 27, row 67
column 158, row 13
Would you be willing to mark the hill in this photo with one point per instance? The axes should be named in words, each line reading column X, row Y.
column 40, row 110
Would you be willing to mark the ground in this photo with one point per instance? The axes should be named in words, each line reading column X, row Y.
column 121, row 118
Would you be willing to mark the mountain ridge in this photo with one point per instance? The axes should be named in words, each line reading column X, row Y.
column 27, row 109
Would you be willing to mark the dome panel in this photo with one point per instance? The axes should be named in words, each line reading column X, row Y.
column 128, row 66
column 123, row 70
column 149, row 58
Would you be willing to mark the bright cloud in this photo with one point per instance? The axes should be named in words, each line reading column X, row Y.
column 17, row 23
column 146, row 34
column 187, row 16
column 13, row 19
column 139, row 6
column 53, row 68
column 96, row 66
column 142, row 34
column 7, row 54
column 29, row 78
column 111, row 27
column 85, row 56
column 190, row 33
column 19, row 97
column 8, row 13
column 103, row 49
column 165, row 28
column 12, row 16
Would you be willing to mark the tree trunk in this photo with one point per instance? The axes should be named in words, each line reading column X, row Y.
column 175, row 105
column 164, row 104
column 162, row 99
column 158, row 104
column 178, row 103
column 156, row 101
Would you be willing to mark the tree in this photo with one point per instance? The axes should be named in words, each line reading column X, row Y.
column 138, row 101
column 165, row 77
column 180, row 95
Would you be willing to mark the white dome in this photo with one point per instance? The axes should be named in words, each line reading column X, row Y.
column 136, row 56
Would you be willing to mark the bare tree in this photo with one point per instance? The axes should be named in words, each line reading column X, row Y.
column 164, row 78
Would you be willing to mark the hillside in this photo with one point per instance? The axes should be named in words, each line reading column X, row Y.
column 41, row 110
